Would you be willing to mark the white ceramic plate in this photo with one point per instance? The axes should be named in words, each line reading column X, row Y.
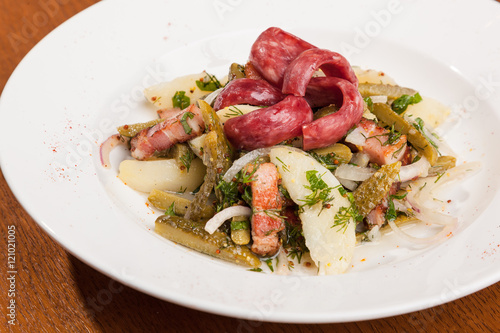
column 86, row 77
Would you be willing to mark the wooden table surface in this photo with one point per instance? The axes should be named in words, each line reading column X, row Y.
column 55, row 292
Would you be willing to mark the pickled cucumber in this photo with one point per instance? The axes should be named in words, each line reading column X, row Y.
column 372, row 191
column 193, row 235
column 163, row 200
column 388, row 117
column 391, row 91
column 133, row 129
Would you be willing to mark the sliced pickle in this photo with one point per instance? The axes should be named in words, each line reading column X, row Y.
column 193, row 235
column 133, row 129
column 388, row 117
column 163, row 200
column 372, row 191
column 391, row 91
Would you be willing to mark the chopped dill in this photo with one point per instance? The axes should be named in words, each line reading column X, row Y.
column 187, row 158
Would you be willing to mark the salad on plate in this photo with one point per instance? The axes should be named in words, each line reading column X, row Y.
column 292, row 160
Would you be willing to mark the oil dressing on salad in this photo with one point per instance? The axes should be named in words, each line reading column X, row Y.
column 294, row 158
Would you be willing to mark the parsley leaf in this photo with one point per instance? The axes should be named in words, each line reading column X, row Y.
column 401, row 104
column 208, row 83
column 184, row 122
column 180, row 100
column 391, row 214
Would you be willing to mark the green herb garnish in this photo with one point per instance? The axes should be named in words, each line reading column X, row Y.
column 320, row 190
column 419, row 125
column 329, row 161
column 170, row 210
column 269, row 263
column 233, row 112
column 401, row 104
column 391, row 214
column 180, row 100
column 208, row 83
column 345, row 214
column 258, row 269
column 240, row 225
column 184, row 122
column 369, row 103
column 187, row 158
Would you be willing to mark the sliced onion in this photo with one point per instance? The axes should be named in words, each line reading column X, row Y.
column 354, row 173
column 374, row 234
column 348, row 184
column 210, row 98
column 107, row 146
column 356, row 137
column 414, row 170
column 360, row 159
column 218, row 219
column 441, row 146
column 424, row 240
column 282, row 265
column 244, row 160
column 422, row 194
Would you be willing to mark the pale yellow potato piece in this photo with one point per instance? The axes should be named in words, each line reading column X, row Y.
column 235, row 111
column 372, row 76
column 160, row 95
column 431, row 111
column 330, row 247
column 161, row 174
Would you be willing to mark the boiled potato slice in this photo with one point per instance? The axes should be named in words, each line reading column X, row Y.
column 235, row 111
column 431, row 111
column 162, row 174
column 331, row 248
column 372, row 76
column 160, row 95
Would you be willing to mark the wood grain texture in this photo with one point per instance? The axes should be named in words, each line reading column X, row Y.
column 55, row 292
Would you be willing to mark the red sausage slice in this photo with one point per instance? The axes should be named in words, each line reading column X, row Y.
column 248, row 91
column 269, row 126
column 301, row 69
column 273, row 51
column 328, row 130
column 321, row 93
